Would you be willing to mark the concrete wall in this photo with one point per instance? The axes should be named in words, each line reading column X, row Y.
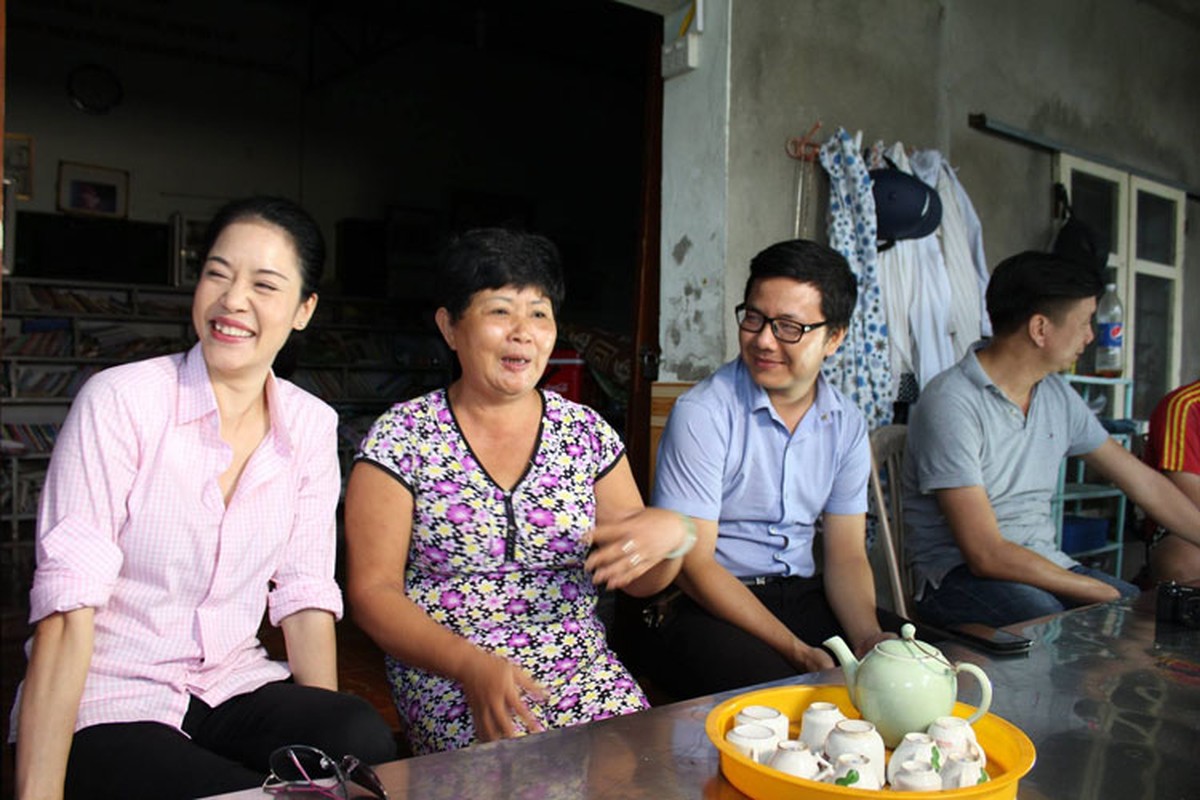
column 694, row 258
column 1115, row 78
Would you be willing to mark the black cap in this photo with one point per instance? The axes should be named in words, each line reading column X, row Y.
column 905, row 206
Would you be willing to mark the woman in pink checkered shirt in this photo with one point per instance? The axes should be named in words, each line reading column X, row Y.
column 187, row 494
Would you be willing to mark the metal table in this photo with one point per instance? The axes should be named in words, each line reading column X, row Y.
column 1110, row 698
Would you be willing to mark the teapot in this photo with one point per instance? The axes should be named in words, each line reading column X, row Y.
column 903, row 684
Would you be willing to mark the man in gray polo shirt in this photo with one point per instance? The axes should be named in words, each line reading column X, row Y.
column 985, row 442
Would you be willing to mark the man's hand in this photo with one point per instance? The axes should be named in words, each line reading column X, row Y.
column 809, row 659
column 867, row 644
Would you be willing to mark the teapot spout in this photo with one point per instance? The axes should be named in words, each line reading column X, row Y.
column 845, row 657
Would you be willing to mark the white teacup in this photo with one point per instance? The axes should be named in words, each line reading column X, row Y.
column 856, row 771
column 796, row 758
column 962, row 770
column 955, row 735
column 914, row 776
column 816, row 723
column 859, row 737
column 915, row 746
column 753, row 740
column 773, row 718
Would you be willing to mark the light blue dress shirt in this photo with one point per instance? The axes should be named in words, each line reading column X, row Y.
column 726, row 455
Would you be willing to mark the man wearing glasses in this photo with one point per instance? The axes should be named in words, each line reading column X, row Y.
column 766, row 456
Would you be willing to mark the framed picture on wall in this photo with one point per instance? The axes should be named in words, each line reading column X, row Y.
column 91, row 190
column 18, row 163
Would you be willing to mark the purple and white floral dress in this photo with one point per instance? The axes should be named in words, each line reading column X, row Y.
column 503, row 569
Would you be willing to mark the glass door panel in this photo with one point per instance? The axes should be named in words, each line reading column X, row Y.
column 1096, row 201
column 1156, row 222
column 1154, row 324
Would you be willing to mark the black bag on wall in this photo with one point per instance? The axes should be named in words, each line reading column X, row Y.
column 1076, row 240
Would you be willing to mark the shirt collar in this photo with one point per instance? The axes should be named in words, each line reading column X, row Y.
column 979, row 377
column 973, row 369
column 196, row 398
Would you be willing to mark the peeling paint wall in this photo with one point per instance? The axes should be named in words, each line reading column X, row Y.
column 695, row 168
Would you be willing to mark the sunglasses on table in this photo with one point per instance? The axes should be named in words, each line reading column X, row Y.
column 300, row 769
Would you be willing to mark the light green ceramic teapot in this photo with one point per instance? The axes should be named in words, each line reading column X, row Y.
column 903, row 684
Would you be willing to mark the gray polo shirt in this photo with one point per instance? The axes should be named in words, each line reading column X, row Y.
column 964, row 431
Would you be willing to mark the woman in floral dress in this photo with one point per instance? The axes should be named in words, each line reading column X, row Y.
column 481, row 520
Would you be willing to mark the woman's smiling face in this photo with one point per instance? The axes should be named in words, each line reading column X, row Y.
column 248, row 299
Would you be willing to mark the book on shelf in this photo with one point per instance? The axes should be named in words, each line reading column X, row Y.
column 166, row 307
column 34, row 437
column 344, row 349
column 48, row 298
column 118, row 342
column 27, row 490
column 44, row 343
column 52, row 381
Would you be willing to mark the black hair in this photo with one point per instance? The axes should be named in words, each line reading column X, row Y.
column 1037, row 283
column 490, row 258
column 809, row 262
column 293, row 220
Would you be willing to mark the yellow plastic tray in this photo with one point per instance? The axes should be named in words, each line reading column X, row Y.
column 1010, row 754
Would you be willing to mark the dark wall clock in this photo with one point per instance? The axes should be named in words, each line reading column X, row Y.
column 94, row 89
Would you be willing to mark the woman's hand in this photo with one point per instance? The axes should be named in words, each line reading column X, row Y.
column 495, row 689
column 624, row 550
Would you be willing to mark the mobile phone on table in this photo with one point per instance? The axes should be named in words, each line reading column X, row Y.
column 989, row 638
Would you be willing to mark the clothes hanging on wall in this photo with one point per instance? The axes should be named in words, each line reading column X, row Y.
column 916, row 296
column 933, row 287
column 860, row 368
column 962, row 250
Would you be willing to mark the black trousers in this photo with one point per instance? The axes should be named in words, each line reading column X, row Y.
column 229, row 744
column 692, row 653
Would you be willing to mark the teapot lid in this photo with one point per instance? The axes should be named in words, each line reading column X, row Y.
column 908, row 646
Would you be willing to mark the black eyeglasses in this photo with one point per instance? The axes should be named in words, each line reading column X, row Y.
column 299, row 769
column 786, row 331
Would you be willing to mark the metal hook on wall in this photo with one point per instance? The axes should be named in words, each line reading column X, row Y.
column 804, row 149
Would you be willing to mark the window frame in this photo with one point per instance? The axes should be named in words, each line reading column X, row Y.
column 1123, row 259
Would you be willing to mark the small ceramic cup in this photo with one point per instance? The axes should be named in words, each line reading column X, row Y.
column 796, row 758
column 753, row 740
column 856, row 771
column 914, row 776
column 914, row 746
column 955, row 735
column 773, row 718
column 860, row 737
column 962, row 770
column 816, row 723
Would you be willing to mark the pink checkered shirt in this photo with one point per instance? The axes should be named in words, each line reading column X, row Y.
column 132, row 523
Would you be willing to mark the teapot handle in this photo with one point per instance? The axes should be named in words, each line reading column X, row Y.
column 984, row 684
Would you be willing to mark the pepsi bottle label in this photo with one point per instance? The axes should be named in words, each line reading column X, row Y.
column 1109, row 334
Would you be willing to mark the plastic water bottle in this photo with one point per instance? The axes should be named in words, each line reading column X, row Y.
column 1110, row 334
